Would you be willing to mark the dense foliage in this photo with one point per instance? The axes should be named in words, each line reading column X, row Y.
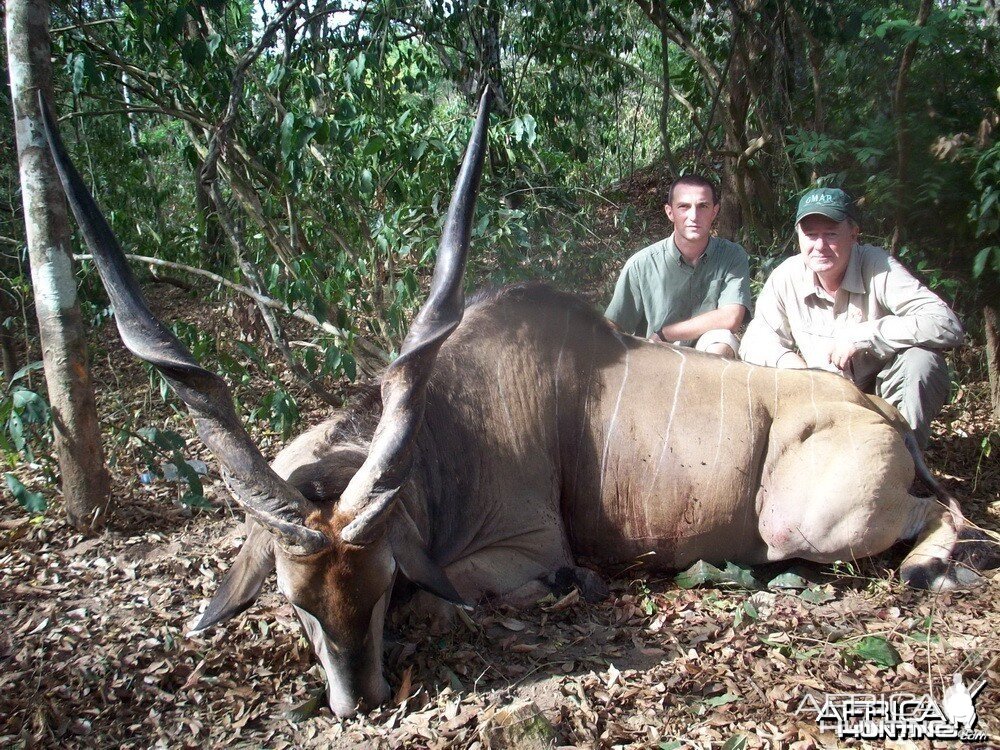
column 305, row 150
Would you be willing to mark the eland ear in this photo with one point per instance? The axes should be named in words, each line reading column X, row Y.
column 414, row 562
column 241, row 585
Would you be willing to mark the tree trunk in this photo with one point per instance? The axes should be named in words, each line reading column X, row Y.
column 8, row 344
column 668, row 154
column 991, row 323
column 212, row 248
column 85, row 481
column 902, row 131
column 147, row 163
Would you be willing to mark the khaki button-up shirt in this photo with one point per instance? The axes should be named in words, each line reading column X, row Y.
column 880, row 307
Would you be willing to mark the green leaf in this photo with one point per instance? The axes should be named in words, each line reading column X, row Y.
column 309, row 708
column 213, row 43
column 736, row 742
column 818, row 594
column 195, row 499
column 276, row 75
column 982, row 258
column 721, row 700
column 30, row 405
column 877, row 650
column 740, row 575
column 698, row 575
column 25, row 370
column 350, row 367
column 287, row 135
column 15, row 428
column 79, row 72
column 367, row 183
column 33, row 502
column 167, row 440
column 373, row 146
column 672, row 745
column 788, row 581
column 702, row 572
column 530, row 127
column 322, row 135
column 356, row 66
column 418, row 150
column 517, row 129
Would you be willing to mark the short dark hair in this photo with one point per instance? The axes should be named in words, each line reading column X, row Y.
column 694, row 180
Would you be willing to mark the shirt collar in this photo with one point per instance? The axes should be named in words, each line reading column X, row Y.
column 853, row 280
column 675, row 254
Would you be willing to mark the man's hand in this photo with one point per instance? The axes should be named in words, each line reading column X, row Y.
column 842, row 354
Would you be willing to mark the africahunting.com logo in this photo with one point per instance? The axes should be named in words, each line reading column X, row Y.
column 899, row 716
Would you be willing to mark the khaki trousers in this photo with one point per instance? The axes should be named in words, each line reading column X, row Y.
column 916, row 381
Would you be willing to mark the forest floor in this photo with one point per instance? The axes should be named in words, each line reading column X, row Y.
column 94, row 651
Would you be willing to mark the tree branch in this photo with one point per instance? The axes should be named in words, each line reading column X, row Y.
column 273, row 326
column 376, row 355
column 221, row 135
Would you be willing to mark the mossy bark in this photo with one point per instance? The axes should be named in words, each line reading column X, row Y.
column 85, row 481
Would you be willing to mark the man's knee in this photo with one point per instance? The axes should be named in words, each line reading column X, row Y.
column 926, row 367
column 916, row 382
column 719, row 341
column 722, row 350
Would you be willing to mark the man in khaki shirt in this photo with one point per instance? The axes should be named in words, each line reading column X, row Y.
column 854, row 310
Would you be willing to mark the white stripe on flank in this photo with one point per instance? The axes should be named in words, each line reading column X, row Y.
column 722, row 427
column 775, row 412
column 614, row 415
column 503, row 400
column 812, row 443
column 562, row 346
column 850, row 417
column 722, row 417
column 750, row 402
column 670, row 421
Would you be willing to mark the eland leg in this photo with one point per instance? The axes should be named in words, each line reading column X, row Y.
column 949, row 552
column 856, row 503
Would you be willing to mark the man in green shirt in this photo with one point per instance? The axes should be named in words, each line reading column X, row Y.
column 690, row 288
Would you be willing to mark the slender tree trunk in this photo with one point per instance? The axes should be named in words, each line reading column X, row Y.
column 85, row 481
column 668, row 154
column 8, row 345
column 320, row 55
column 991, row 322
column 212, row 247
column 814, row 55
column 902, row 132
column 147, row 163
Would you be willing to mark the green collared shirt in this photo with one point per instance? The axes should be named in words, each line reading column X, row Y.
column 658, row 287
column 880, row 307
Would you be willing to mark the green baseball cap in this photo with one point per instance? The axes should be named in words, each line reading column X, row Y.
column 833, row 203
